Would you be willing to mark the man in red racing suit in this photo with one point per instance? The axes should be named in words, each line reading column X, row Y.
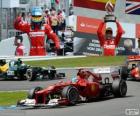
column 107, row 42
column 20, row 49
column 37, row 35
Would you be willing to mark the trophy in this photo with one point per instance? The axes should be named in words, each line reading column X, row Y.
column 109, row 17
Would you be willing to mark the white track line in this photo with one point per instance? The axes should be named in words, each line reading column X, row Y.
column 14, row 91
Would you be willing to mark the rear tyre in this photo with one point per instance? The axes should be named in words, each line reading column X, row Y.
column 31, row 74
column 71, row 93
column 119, row 88
column 124, row 72
column 31, row 93
column 51, row 72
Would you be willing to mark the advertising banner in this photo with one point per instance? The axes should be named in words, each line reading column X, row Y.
column 87, row 25
column 88, row 44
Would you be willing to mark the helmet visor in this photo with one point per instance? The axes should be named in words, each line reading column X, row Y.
column 37, row 19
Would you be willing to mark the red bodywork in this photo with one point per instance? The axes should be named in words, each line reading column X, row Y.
column 132, row 58
column 85, row 88
column 134, row 72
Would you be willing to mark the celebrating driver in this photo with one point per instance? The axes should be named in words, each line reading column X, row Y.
column 108, row 42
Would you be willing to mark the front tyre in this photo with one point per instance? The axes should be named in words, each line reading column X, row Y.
column 71, row 93
column 31, row 93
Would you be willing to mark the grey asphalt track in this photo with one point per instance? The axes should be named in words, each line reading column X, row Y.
column 13, row 85
column 105, row 107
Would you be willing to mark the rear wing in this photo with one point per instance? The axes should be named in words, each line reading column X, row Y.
column 132, row 58
column 106, row 70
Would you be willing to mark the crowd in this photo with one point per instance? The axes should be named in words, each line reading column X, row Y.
column 56, row 19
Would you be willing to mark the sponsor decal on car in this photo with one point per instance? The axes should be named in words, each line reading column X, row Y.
column 102, row 70
column 10, row 73
column 93, row 88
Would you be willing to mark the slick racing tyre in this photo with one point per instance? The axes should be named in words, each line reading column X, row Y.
column 124, row 72
column 31, row 93
column 119, row 88
column 71, row 93
column 51, row 72
column 31, row 74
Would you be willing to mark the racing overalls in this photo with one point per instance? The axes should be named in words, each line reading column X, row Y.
column 109, row 45
column 20, row 50
column 37, row 36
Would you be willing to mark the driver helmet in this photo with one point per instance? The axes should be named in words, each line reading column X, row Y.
column 133, row 66
column 19, row 61
column 74, row 79
column 37, row 15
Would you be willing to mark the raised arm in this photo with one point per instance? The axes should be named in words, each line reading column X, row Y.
column 119, row 33
column 100, row 33
column 51, row 35
column 20, row 25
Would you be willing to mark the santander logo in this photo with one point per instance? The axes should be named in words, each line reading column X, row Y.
column 82, row 24
column 87, row 25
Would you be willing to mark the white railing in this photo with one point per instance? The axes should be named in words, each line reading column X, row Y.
column 35, row 58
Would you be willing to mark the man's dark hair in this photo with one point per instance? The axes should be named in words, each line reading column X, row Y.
column 19, row 37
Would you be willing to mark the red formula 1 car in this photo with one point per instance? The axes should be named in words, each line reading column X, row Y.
column 131, row 69
column 85, row 86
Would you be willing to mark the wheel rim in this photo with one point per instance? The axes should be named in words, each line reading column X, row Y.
column 29, row 74
column 73, row 96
